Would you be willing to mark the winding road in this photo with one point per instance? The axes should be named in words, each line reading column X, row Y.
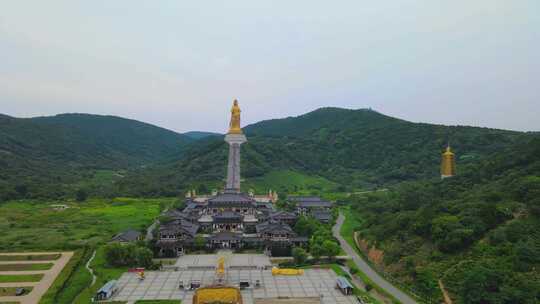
column 372, row 274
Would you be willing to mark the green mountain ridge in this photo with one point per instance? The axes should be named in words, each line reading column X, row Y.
column 200, row 134
column 353, row 148
column 40, row 155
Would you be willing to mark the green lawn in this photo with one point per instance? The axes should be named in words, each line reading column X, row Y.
column 103, row 274
column 25, row 267
column 15, row 278
column 10, row 291
column 289, row 181
column 83, row 224
column 71, row 281
column 30, row 257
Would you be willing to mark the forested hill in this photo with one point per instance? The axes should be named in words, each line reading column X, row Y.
column 41, row 155
column 353, row 148
column 478, row 232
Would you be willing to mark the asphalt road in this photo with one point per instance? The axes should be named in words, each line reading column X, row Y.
column 372, row 274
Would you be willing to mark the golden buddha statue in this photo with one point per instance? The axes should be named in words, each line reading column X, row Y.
column 234, row 126
column 448, row 163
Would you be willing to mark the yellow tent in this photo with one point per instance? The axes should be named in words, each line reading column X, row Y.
column 287, row 271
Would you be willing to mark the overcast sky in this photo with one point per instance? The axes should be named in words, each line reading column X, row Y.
column 179, row 64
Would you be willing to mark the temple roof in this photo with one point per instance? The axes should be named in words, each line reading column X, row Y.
column 298, row 198
column 314, row 204
column 322, row 215
column 282, row 215
column 274, row 227
column 179, row 225
column 226, row 236
column 227, row 216
column 231, row 200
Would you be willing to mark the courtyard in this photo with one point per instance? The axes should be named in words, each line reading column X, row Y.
column 319, row 283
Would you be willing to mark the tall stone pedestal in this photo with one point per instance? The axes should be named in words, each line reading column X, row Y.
column 233, row 168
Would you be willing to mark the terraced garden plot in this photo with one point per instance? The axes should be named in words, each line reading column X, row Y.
column 14, row 278
column 10, row 291
column 30, row 257
column 26, row 267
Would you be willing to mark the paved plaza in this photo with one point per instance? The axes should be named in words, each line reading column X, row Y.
column 164, row 285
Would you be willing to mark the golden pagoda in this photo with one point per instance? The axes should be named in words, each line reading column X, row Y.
column 448, row 163
column 234, row 126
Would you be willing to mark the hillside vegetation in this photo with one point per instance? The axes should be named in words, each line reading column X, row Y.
column 46, row 156
column 478, row 232
column 351, row 148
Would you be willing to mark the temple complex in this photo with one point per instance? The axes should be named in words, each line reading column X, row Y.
column 230, row 219
column 448, row 163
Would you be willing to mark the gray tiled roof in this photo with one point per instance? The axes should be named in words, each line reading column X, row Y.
column 127, row 236
column 314, row 204
column 322, row 215
column 176, row 226
column 274, row 227
column 231, row 200
column 297, row 198
column 225, row 236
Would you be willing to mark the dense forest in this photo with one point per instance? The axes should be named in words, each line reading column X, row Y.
column 478, row 232
column 356, row 149
column 105, row 156
column 50, row 156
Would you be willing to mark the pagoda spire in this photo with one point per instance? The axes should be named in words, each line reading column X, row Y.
column 448, row 163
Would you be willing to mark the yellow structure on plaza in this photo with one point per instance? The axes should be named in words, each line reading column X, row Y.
column 217, row 294
column 234, row 126
column 287, row 271
column 221, row 267
column 448, row 163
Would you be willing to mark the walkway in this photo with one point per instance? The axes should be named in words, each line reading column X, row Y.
column 372, row 274
column 90, row 269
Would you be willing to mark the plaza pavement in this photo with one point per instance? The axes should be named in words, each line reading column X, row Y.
column 164, row 285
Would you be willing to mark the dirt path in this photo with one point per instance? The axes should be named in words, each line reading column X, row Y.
column 40, row 288
column 90, row 269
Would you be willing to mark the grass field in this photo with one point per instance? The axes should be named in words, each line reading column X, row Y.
column 103, row 275
column 291, row 182
column 30, row 257
column 10, row 291
column 82, row 227
column 15, row 278
column 65, row 288
column 83, row 224
column 25, row 267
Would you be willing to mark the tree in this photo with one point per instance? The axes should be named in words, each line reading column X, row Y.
column 316, row 251
column 199, row 242
column 22, row 190
column 330, row 249
column 117, row 254
column 81, row 195
column 300, row 255
column 481, row 284
column 143, row 257
column 306, row 226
